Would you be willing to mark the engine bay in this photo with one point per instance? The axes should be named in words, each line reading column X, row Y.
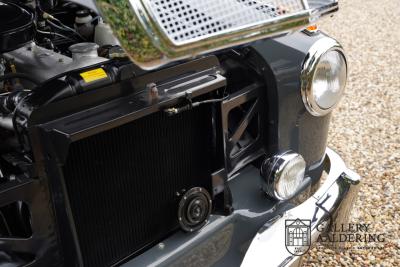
column 68, row 92
column 104, row 155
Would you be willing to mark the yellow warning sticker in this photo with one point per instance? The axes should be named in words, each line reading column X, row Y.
column 93, row 75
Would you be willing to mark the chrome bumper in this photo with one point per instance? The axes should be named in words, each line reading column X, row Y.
column 332, row 202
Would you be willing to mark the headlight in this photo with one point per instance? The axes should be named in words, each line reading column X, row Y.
column 282, row 175
column 324, row 76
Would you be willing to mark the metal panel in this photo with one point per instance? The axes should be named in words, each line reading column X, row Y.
column 191, row 20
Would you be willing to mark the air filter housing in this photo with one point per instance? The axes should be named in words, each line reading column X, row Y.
column 16, row 26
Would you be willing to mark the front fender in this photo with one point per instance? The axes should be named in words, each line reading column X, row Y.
column 279, row 62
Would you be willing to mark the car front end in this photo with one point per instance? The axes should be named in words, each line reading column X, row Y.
column 168, row 133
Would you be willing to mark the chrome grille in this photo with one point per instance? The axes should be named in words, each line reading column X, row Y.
column 156, row 32
column 190, row 19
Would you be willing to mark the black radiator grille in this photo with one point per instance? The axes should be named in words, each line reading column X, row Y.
column 122, row 183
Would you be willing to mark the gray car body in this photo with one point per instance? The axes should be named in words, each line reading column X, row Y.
column 225, row 239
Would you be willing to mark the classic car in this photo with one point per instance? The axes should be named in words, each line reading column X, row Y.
column 168, row 132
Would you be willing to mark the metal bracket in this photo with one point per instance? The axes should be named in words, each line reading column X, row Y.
column 237, row 156
column 30, row 192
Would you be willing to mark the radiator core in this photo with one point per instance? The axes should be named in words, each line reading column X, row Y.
column 122, row 184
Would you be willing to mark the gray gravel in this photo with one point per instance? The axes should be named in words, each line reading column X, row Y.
column 365, row 128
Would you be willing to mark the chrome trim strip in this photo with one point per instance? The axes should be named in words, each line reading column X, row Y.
column 323, row 10
column 317, row 50
column 336, row 195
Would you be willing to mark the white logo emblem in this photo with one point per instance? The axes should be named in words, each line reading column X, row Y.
column 297, row 236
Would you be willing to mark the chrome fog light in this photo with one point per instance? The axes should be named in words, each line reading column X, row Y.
column 324, row 76
column 282, row 175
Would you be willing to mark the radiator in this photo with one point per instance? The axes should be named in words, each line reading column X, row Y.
column 122, row 184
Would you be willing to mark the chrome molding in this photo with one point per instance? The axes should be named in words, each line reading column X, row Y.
column 156, row 32
column 317, row 50
column 322, row 7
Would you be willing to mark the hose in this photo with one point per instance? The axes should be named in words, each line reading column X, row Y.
column 63, row 27
column 56, row 34
column 6, row 122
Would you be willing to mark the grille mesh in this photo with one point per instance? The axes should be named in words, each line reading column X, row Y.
column 122, row 183
column 187, row 19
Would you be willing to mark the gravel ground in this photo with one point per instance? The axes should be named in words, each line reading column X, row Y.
column 365, row 128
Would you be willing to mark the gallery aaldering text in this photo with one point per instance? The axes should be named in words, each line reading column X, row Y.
column 352, row 232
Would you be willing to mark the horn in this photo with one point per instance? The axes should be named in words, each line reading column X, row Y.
column 156, row 32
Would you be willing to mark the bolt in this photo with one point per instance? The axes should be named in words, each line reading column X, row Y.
column 161, row 246
column 152, row 87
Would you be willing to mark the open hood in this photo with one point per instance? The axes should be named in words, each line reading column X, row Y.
column 157, row 32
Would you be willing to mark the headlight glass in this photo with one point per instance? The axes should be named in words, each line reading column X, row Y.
column 329, row 79
column 282, row 175
column 289, row 180
column 324, row 76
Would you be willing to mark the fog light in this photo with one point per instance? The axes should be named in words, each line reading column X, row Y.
column 324, row 76
column 282, row 175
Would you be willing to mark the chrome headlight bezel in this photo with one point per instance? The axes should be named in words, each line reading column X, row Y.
column 309, row 68
column 275, row 169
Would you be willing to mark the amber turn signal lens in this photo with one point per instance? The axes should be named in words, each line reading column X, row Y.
column 312, row 28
